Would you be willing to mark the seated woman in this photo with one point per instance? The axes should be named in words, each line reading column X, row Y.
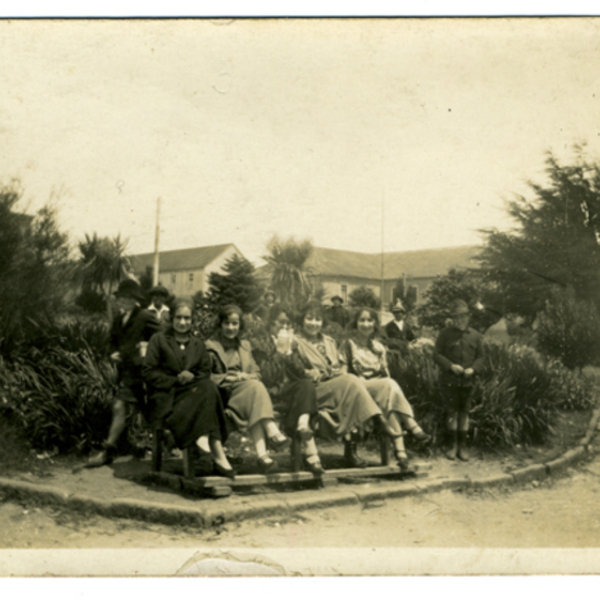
column 236, row 373
column 366, row 357
column 177, row 370
column 345, row 406
column 283, row 374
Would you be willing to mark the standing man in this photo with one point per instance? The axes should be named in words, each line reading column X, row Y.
column 337, row 313
column 130, row 331
column 158, row 296
column 459, row 353
column 398, row 332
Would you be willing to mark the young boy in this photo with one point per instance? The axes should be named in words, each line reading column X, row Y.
column 158, row 296
column 459, row 353
column 131, row 329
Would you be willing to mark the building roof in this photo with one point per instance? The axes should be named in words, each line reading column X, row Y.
column 186, row 259
column 414, row 263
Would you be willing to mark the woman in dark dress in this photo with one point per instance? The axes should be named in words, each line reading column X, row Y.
column 177, row 372
column 282, row 372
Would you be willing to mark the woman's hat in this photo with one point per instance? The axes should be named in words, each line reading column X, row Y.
column 337, row 298
column 459, row 307
column 159, row 290
column 398, row 307
column 129, row 288
column 270, row 293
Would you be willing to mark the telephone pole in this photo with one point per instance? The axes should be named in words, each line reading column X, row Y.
column 156, row 243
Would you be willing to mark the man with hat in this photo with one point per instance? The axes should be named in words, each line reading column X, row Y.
column 398, row 332
column 337, row 313
column 131, row 329
column 459, row 353
column 265, row 306
column 158, row 296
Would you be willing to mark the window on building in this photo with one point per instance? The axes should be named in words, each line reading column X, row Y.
column 190, row 280
column 173, row 278
column 344, row 292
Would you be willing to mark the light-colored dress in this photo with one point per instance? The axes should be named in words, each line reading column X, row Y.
column 371, row 366
column 343, row 401
column 248, row 402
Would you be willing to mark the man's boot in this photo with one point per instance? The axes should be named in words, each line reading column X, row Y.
column 463, row 453
column 104, row 457
column 351, row 458
column 452, row 452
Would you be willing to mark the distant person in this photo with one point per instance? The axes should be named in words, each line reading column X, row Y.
column 337, row 313
column 236, row 373
column 398, row 332
column 130, row 332
column 177, row 370
column 265, row 306
column 366, row 358
column 158, row 297
column 459, row 353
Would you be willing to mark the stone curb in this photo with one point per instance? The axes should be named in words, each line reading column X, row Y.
column 155, row 512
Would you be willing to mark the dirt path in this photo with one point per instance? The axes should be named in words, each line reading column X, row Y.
column 556, row 513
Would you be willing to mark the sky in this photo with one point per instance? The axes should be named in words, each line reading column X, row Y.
column 307, row 128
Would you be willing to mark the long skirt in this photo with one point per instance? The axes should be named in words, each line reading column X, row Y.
column 388, row 395
column 344, row 405
column 197, row 411
column 248, row 402
column 299, row 398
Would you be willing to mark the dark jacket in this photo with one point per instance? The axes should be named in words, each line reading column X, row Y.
column 164, row 361
column 276, row 368
column 456, row 347
column 396, row 339
column 338, row 314
column 125, row 339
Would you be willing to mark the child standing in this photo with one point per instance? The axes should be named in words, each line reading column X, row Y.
column 459, row 353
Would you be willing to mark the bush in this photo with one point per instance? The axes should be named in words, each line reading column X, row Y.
column 515, row 401
column 60, row 389
column 569, row 329
column 364, row 296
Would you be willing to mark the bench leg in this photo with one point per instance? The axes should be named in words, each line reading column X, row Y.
column 188, row 463
column 384, row 450
column 296, row 455
column 157, row 438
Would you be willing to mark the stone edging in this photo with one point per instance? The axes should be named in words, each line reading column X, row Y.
column 168, row 514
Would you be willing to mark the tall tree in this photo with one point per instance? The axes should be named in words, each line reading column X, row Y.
column 364, row 296
column 287, row 267
column 236, row 285
column 556, row 242
column 35, row 269
column 103, row 264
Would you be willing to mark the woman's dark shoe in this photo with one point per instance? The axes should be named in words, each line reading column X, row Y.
column 351, row 458
column 402, row 460
column 280, row 442
column 266, row 465
column 223, row 472
column 314, row 465
column 420, row 435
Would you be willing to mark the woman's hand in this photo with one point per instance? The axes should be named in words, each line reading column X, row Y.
column 283, row 341
column 185, row 377
column 315, row 375
column 469, row 372
column 116, row 356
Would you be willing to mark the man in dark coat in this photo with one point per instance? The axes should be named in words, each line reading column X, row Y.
column 459, row 353
column 265, row 306
column 129, row 335
column 398, row 332
column 337, row 313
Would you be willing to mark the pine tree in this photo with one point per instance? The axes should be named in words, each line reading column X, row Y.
column 236, row 285
column 556, row 242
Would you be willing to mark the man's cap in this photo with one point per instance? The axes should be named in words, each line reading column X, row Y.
column 128, row 288
column 337, row 298
column 459, row 307
column 398, row 306
column 159, row 290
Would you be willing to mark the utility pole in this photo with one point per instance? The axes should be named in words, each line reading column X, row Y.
column 156, row 241
column 382, row 259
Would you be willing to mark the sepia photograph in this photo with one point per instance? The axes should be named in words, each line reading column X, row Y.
column 299, row 296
